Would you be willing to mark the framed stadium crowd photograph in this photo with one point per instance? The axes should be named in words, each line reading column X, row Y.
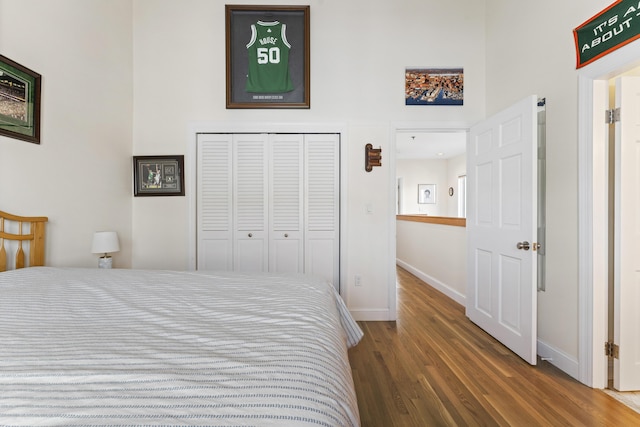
column 19, row 101
column 267, row 56
column 158, row 176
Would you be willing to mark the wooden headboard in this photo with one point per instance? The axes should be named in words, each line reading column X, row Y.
column 22, row 229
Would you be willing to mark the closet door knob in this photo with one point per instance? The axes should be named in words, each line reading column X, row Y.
column 250, row 235
column 286, row 235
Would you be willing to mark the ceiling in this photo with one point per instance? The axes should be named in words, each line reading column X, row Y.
column 430, row 144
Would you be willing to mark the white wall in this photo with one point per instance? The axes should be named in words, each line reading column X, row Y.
column 359, row 51
column 443, row 173
column 423, row 171
column 539, row 35
column 80, row 174
column 435, row 253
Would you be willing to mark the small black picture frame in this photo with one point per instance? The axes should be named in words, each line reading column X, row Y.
column 267, row 56
column 158, row 176
column 20, row 101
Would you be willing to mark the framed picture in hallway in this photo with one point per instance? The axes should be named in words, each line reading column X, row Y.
column 267, row 56
column 20, row 101
column 158, row 176
column 426, row 193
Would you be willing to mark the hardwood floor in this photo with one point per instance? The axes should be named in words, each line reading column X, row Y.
column 433, row 367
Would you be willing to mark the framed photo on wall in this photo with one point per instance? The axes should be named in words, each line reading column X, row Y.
column 426, row 193
column 158, row 176
column 267, row 56
column 434, row 86
column 20, row 101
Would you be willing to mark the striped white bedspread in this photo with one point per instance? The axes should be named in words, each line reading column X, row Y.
column 158, row 348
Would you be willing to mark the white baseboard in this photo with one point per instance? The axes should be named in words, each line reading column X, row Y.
column 370, row 315
column 559, row 359
column 434, row 283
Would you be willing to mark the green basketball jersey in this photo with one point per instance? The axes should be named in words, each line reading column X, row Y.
column 268, row 58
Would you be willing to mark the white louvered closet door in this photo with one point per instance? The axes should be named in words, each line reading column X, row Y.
column 286, row 243
column 214, row 205
column 322, row 206
column 250, row 207
column 269, row 203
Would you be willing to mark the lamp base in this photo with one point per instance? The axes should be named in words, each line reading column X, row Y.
column 105, row 262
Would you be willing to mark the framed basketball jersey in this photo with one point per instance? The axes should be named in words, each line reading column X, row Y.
column 267, row 56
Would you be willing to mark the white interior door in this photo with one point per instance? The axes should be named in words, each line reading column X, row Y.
column 502, row 225
column 627, row 236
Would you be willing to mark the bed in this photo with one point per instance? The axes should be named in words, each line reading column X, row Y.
column 127, row 347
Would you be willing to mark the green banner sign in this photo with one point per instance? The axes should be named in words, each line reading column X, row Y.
column 614, row 27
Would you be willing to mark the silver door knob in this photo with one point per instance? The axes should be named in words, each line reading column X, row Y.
column 523, row 245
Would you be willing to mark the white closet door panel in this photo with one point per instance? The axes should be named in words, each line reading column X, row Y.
column 322, row 257
column 250, row 254
column 322, row 206
column 285, row 255
column 250, row 179
column 322, row 170
column 286, row 182
column 286, row 244
column 214, row 189
column 215, row 254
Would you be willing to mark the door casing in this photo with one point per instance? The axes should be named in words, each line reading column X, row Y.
column 592, row 217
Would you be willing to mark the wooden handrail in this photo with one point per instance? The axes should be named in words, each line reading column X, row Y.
column 444, row 220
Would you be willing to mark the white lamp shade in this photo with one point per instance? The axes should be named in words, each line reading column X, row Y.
column 105, row 242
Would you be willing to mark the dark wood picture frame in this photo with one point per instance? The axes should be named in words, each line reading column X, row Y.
column 158, row 176
column 266, row 92
column 20, row 101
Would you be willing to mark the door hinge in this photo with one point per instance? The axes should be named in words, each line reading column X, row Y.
column 612, row 116
column 611, row 349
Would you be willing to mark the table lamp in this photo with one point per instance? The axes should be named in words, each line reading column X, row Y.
column 105, row 242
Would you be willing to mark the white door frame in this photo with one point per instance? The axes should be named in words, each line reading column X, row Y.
column 592, row 219
column 394, row 129
column 399, row 195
